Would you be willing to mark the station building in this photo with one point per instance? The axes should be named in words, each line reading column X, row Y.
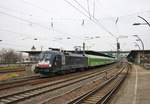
column 33, row 54
column 135, row 56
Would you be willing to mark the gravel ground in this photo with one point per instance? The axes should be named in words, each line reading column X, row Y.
column 61, row 91
column 54, row 78
column 75, row 93
column 74, row 90
column 136, row 88
column 49, row 94
column 40, row 81
column 8, row 76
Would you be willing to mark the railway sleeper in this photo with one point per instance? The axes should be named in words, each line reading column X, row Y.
column 18, row 97
column 4, row 101
column 100, row 94
column 26, row 95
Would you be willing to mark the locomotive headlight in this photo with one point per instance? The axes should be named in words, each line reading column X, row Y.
column 50, row 65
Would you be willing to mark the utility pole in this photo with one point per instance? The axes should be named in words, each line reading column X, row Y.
column 118, row 48
column 83, row 48
column 118, row 44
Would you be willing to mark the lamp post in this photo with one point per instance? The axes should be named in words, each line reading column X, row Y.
column 118, row 47
column 142, row 23
column 139, row 23
column 139, row 39
column 135, row 44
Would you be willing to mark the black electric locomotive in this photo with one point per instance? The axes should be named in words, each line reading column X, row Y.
column 59, row 62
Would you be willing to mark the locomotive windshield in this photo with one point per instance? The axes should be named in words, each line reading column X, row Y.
column 45, row 56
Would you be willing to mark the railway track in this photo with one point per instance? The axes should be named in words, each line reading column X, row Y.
column 32, row 80
column 11, row 71
column 92, row 92
column 41, row 89
column 16, row 82
column 103, row 92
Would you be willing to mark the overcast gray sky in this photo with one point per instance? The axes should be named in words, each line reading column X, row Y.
column 56, row 23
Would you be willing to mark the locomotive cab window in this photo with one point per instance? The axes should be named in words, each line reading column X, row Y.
column 45, row 56
column 57, row 60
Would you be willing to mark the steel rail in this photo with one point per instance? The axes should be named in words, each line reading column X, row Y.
column 93, row 91
column 17, row 82
column 108, row 96
column 100, row 78
column 11, row 71
column 19, row 96
column 24, row 80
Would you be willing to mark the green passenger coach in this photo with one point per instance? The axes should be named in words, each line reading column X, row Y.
column 94, row 60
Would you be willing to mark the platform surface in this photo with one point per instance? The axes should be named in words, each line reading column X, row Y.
column 135, row 89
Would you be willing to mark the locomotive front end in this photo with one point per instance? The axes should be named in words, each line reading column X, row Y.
column 44, row 66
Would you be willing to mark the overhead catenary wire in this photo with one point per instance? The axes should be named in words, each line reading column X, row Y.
column 24, row 20
column 39, row 8
column 94, row 2
column 93, row 8
column 76, row 8
column 13, row 43
column 45, row 11
column 33, row 5
column 42, row 9
column 88, row 7
column 33, row 23
column 28, row 36
column 57, row 19
column 94, row 20
column 48, row 28
column 80, row 6
column 8, row 9
column 38, row 17
column 23, row 38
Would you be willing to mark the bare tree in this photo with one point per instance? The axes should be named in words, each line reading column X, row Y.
column 9, row 56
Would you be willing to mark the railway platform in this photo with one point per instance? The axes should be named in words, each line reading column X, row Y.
column 135, row 89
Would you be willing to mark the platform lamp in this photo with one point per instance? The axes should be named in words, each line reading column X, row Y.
column 147, row 23
column 138, row 39
column 137, row 45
